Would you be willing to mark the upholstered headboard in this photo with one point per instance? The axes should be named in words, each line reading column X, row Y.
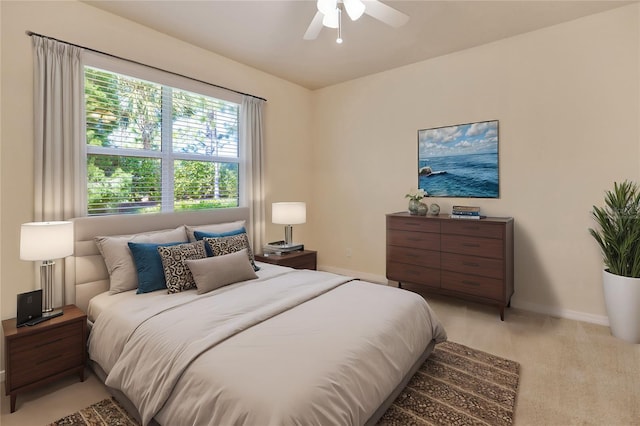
column 85, row 272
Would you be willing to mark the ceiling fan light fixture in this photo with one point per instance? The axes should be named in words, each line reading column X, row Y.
column 331, row 20
column 327, row 6
column 355, row 8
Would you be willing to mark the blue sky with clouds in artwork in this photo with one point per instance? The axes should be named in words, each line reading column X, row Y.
column 474, row 138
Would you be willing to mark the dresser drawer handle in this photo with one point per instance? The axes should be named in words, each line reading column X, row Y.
column 471, row 244
column 471, row 228
column 473, row 264
column 473, row 283
column 414, row 239
column 49, row 343
column 49, row 359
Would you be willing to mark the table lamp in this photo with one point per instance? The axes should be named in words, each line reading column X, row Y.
column 288, row 213
column 44, row 241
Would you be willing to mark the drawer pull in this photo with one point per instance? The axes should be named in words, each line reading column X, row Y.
column 49, row 343
column 473, row 264
column 471, row 228
column 473, row 283
column 49, row 359
column 414, row 239
column 471, row 244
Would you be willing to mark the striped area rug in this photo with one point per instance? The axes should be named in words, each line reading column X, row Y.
column 456, row 385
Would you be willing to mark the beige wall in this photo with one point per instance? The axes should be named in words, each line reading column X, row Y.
column 567, row 100
column 287, row 112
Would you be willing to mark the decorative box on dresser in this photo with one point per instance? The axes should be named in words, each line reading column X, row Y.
column 465, row 258
column 44, row 352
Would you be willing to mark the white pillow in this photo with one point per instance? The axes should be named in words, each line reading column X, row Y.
column 216, row 228
column 214, row 272
column 119, row 260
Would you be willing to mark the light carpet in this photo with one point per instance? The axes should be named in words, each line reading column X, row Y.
column 456, row 385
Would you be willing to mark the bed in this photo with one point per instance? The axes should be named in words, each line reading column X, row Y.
column 284, row 347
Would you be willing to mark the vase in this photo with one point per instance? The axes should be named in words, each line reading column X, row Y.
column 434, row 210
column 422, row 209
column 413, row 206
column 622, row 300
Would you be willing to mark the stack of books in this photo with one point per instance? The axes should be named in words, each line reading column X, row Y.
column 280, row 247
column 466, row 212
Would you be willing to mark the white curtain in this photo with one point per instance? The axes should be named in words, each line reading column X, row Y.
column 252, row 134
column 59, row 159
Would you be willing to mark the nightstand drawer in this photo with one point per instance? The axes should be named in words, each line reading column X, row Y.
column 46, row 340
column 473, row 229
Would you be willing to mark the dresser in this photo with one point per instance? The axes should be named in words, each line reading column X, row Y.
column 464, row 258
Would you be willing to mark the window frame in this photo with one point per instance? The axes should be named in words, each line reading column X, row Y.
column 166, row 153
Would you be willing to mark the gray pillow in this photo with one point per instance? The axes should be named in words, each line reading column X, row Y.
column 176, row 272
column 119, row 260
column 216, row 228
column 217, row 271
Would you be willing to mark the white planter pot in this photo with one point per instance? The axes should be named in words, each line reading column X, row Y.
column 622, row 299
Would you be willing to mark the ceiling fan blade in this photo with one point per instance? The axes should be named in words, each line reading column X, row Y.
column 314, row 27
column 384, row 13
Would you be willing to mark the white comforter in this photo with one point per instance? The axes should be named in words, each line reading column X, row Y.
column 293, row 347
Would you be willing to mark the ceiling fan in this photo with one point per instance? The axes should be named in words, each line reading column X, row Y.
column 329, row 15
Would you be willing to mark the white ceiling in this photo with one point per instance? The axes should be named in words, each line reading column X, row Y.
column 268, row 34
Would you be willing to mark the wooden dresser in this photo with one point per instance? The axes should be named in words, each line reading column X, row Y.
column 470, row 259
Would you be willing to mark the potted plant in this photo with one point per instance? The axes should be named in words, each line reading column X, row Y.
column 416, row 206
column 619, row 239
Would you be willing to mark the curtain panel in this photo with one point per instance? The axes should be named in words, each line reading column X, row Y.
column 252, row 140
column 60, row 163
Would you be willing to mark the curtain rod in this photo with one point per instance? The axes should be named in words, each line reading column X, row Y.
column 31, row 33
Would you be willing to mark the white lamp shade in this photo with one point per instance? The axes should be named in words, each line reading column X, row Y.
column 290, row 213
column 46, row 240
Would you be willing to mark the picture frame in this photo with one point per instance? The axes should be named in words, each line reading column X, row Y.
column 460, row 161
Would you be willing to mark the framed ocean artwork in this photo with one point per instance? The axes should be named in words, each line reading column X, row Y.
column 459, row 161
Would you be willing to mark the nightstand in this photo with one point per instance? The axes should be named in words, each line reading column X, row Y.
column 44, row 352
column 303, row 259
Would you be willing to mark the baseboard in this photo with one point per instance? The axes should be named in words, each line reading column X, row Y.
column 526, row 306
column 561, row 313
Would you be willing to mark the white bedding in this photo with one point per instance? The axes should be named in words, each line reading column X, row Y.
column 292, row 347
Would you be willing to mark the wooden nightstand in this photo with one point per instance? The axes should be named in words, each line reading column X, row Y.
column 304, row 259
column 45, row 352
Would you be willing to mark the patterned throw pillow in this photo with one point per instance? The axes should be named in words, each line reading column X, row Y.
column 176, row 271
column 231, row 244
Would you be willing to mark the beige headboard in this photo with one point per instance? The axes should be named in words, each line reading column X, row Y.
column 85, row 272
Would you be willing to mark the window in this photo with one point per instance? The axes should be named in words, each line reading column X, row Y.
column 152, row 147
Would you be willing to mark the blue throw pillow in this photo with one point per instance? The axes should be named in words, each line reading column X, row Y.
column 200, row 235
column 149, row 266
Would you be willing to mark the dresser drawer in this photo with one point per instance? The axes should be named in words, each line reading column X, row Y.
column 419, row 240
column 474, row 265
column 415, row 274
column 472, row 229
column 427, row 258
column 417, row 224
column 474, row 246
column 490, row 288
column 45, row 340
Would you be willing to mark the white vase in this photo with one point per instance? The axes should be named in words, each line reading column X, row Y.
column 622, row 299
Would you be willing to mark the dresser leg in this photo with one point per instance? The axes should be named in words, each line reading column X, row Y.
column 502, row 313
column 399, row 284
column 13, row 402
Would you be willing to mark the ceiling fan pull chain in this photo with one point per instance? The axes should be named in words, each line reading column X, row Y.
column 339, row 39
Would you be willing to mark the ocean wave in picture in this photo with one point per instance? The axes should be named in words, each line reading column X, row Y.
column 459, row 161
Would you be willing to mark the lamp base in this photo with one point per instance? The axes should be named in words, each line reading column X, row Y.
column 52, row 314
